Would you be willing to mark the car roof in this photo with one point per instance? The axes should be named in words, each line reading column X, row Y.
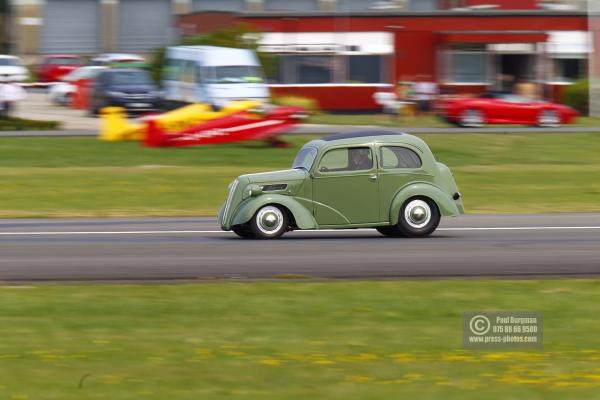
column 368, row 137
column 7, row 56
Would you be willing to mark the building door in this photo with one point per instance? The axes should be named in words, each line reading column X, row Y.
column 144, row 24
column 291, row 5
column 71, row 26
column 519, row 66
column 219, row 5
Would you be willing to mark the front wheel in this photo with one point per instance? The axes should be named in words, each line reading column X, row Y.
column 419, row 217
column 269, row 222
column 548, row 119
column 472, row 118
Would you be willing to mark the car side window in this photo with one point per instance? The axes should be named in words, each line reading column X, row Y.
column 347, row 159
column 399, row 157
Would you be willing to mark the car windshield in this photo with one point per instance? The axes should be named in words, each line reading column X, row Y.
column 65, row 61
column 514, row 98
column 305, row 158
column 9, row 62
column 83, row 73
column 238, row 74
column 125, row 78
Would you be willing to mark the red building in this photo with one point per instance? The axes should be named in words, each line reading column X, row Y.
column 342, row 60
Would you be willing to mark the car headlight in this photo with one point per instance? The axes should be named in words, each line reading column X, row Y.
column 251, row 191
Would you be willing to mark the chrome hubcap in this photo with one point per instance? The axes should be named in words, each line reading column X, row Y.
column 549, row 118
column 269, row 220
column 472, row 118
column 417, row 213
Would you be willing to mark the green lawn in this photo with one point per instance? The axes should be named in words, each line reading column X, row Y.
column 51, row 177
column 426, row 121
column 302, row 340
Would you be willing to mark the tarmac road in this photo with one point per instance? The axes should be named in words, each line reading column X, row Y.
column 194, row 248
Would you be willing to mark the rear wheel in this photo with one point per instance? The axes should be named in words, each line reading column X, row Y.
column 419, row 217
column 548, row 119
column 269, row 222
column 472, row 118
column 243, row 231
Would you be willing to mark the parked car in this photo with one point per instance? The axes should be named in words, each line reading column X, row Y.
column 54, row 67
column 213, row 75
column 504, row 108
column 12, row 69
column 62, row 92
column 131, row 89
column 383, row 180
column 117, row 59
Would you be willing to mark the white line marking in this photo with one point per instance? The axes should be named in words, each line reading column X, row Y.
column 507, row 228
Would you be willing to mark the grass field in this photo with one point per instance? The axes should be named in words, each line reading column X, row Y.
column 52, row 177
column 302, row 340
column 423, row 121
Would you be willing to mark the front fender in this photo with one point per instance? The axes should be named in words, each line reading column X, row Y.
column 446, row 205
column 246, row 210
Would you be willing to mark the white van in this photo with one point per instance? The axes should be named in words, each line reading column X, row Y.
column 214, row 75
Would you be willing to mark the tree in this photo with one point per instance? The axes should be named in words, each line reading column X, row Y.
column 242, row 36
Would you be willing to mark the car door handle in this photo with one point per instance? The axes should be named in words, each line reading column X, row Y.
column 372, row 177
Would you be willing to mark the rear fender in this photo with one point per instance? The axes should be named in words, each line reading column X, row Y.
column 445, row 204
column 302, row 216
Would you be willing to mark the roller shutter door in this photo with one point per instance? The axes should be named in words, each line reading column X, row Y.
column 71, row 26
column 356, row 5
column 144, row 24
column 291, row 5
column 219, row 5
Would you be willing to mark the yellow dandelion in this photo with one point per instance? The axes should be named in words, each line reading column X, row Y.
column 270, row 361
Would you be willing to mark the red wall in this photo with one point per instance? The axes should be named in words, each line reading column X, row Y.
column 415, row 54
column 416, row 41
column 357, row 98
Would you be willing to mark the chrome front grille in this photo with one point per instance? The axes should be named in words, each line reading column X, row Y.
column 227, row 205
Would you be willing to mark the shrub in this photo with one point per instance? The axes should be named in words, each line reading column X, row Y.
column 307, row 103
column 577, row 96
column 18, row 124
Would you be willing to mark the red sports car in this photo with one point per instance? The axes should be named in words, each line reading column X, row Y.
column 53, row 68
column 504, row 108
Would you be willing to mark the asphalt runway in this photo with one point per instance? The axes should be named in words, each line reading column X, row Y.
column 164, row 249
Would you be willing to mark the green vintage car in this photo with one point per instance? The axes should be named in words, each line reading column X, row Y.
column 384, row 180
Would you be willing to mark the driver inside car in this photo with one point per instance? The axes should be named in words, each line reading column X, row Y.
column 360, row 160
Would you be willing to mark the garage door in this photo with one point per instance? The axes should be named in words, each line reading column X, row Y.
column 356, row 5
column 289, row 5
column 144, row 24
column 71, row 26
column 219, row 5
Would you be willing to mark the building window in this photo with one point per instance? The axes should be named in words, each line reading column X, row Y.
column 323, row 69
column 365, row 69
column 568, row 69
column 467, row 67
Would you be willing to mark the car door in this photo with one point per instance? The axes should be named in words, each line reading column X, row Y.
column 400, row 165
column 345, row 187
